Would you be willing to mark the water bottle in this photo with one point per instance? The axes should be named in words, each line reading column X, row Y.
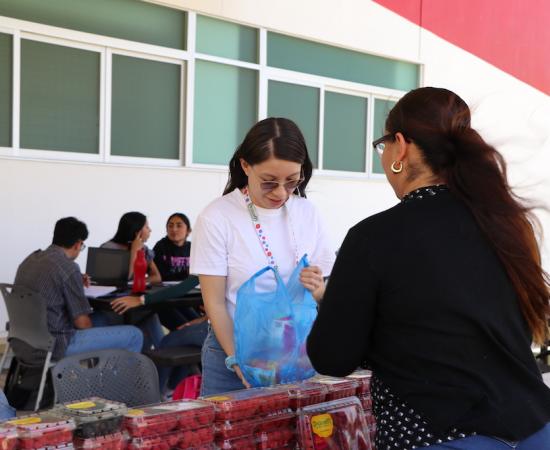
column 140, row 269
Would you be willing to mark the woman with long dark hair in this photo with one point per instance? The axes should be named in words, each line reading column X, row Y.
column 132, row 233
column 262, row 219
column 442, row 295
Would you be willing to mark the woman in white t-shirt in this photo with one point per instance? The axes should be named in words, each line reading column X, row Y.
column 263, row 203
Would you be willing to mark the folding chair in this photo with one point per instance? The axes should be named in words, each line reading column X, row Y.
column 28, row 330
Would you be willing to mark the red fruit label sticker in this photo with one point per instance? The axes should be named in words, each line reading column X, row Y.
column 81, row 405
column 322, row 425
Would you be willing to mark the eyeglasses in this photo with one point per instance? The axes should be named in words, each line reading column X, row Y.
column 82, row 246
column 290, row 186
column 380, row 143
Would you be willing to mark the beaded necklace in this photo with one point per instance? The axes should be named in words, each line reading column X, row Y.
column 260, row 231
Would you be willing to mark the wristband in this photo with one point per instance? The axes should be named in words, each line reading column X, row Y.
column 142, row 300
column 230, row 361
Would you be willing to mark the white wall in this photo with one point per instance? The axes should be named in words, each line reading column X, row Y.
column 514, row 116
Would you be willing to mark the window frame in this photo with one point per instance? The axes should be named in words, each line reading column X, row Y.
column 107, row 46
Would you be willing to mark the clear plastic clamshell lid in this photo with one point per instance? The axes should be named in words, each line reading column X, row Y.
column 363, row 378
column 336, row 424
column 246, row 403
column 164, row 417
column 41, row 421
column 337, row 387
column 93, row 407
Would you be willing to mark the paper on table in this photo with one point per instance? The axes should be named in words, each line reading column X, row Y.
column 98, row 291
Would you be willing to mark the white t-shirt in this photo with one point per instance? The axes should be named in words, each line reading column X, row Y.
column 226, row 244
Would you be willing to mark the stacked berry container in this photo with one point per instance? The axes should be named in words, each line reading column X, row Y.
column 8, row 437
column 43, row 430
column 94, row 417
column 306, row 393
column 115, row 441
column 337, row 387
column 334, row 425
column 254, row 418
column 181, row 424
column 363, row 377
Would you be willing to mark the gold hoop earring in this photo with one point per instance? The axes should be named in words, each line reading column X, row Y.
column 395, row 169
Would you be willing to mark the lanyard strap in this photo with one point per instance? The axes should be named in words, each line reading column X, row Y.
column 260, row 232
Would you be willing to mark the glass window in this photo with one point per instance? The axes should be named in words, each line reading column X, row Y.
column 381, row 110
column 300, row 55
column 226, row 102
column 145, row 111
column 300, row 104
column 126, row 19
column 226, row 39
column 6, row 67
column 59, row 98
column 345, row 132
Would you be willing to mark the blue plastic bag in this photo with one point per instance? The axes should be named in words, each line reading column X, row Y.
column 271, row 328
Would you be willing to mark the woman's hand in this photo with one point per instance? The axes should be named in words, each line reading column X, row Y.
column 123, row 304
column 312, row 279
column 193, row 322
column 137, row 243
column 241, row 376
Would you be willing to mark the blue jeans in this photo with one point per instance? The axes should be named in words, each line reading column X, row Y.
column 193, row 335
column 99, row 338
column 6, row 411
column 151, row 327
column 537, row 441
column 216, row 377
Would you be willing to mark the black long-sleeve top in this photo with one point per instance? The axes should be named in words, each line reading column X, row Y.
column 418, row 295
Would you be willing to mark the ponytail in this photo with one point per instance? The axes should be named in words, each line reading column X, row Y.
column 438, row 121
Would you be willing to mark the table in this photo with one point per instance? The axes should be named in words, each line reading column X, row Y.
column 193, row 298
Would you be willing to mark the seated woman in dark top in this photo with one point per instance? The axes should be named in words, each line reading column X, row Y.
column 442, row 294
column 172, row 251
column 172, row 259
column 132, row 234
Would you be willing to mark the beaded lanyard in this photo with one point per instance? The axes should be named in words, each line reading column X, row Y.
column 262, row 238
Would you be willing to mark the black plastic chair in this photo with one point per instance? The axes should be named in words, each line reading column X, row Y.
column 113, row 374
column 28, row 334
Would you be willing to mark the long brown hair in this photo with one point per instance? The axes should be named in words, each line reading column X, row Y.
column 438, row 122
column 274, row 136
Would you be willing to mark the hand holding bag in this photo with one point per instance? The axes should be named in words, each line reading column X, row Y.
column 271, row 328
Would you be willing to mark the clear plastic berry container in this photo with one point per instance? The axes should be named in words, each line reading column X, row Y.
column 337, row 387
column 248, row 403
column 276, row 439
column 164, row 417
column 338, row 424
column 366, row 402
column 115, row 441
column 197, row 437
column 43, row 430
column 370, row 419
column 363, row 378
column 58, row 447
column 8, row 437
column 240, row 443
column 166, row 441
column 306, row 393
column 229, row 429
column 94, row 416
column 280, row 420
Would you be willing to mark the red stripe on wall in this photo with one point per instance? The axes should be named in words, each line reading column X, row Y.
column 513, row 35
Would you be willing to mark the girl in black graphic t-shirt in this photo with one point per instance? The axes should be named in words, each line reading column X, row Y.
column 172, row 251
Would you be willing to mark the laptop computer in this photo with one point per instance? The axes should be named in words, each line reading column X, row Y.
column 108, row 267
